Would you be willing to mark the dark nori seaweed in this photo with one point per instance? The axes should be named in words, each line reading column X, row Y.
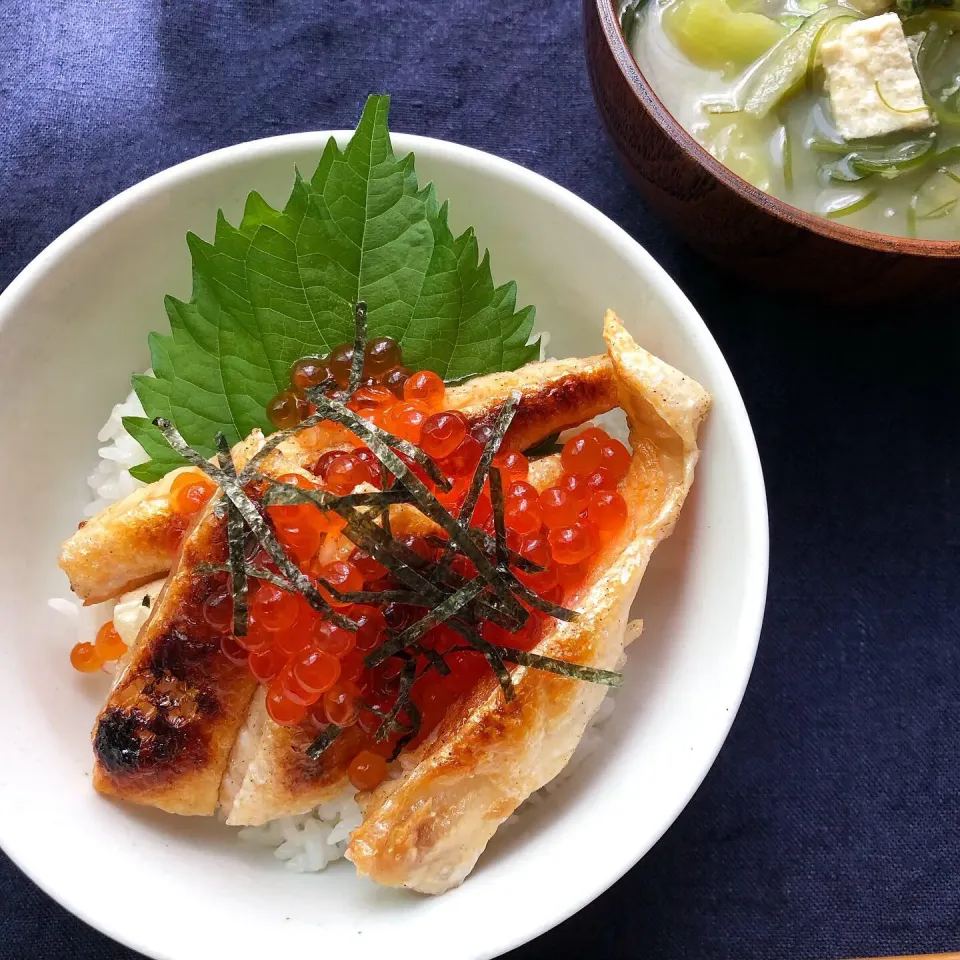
column 235, row 542
column 251, row 515
column 359, row 345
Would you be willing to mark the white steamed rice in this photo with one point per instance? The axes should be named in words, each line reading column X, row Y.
column 307, row 843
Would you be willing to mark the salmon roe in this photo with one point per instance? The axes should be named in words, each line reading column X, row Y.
column 84, row 657
column 190, row 492
column 367, row 770
column 108, row 643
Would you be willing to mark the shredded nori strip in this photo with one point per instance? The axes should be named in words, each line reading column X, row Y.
column 386, row 483
column 258, row 573
column 399, row 559
column 287, row 495
column 530, row 596
column 536, row 601
column 563, row 668
column 427, row 503
column 235, row 538
column 427, row 583
column 251, row 515
column 545, row 447
column 323, row 741
column 435, row 660
column 372, row 596
column 338, row 413
column 443, row 611
column 500, row 428
column 359, row 345
column 486, row 542
column 499, row 526
column 490, row 653
column 575, row 671
column 410, row 568
column 415, row 720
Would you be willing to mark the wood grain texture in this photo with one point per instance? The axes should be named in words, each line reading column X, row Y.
column 735, row 224
column 920, row 956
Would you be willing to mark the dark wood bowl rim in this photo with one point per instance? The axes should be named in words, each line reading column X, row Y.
column 653, row 105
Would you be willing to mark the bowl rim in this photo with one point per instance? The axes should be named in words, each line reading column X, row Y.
column 786, row 212
column 756, row 528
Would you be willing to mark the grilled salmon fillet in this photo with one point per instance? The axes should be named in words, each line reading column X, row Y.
column 165, row 733
column 427, row 829
column 134, row 541
column 269, row 774
column 554, row 395
column 130, row 543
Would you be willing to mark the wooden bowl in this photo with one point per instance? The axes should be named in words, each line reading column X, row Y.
column 732, row 222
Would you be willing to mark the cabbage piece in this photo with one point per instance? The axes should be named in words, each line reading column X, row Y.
column 741, row 144
column 786, row 66
column 713, row 36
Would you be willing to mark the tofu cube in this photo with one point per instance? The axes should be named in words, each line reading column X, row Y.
column 873, row 85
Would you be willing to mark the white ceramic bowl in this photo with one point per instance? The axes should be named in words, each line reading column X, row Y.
column 73, row 328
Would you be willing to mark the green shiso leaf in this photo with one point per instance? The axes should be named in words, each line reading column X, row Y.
column 163, row 458
column 283, row 284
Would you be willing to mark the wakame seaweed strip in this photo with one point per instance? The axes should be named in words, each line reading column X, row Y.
column 248, row 510
column 443, row 611
column 323, row 741
column 235, row 538
column 359, row 345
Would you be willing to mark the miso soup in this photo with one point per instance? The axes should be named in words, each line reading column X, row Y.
column 849, row 111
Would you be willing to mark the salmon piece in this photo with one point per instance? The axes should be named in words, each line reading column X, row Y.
column 164, row 736
column 269, row 774
column 554, row 395
column 134, row 541
column 126, row 545
column 427, row 829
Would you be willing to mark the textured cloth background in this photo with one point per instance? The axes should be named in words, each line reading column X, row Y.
column 828, row 827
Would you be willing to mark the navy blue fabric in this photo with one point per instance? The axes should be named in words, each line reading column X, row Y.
column 828, row 826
